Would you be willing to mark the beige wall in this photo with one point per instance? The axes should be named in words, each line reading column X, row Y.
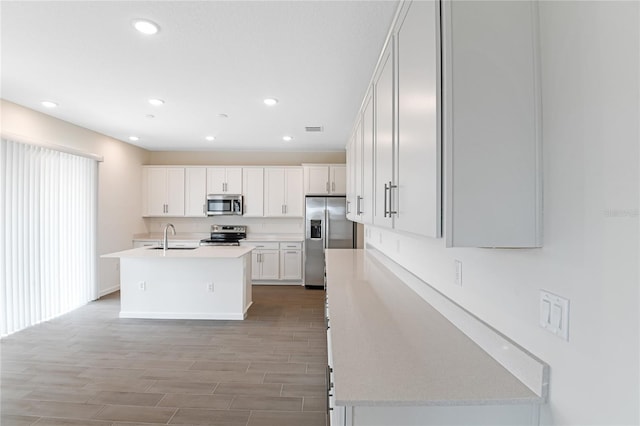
column 248, row 158
column 119, row 178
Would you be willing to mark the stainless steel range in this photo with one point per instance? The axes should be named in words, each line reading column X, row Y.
column 225, row 235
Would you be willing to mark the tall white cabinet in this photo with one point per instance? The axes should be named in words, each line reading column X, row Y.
column 253, row 191
column 195, row 190
column 492, row 127
column 283, row 191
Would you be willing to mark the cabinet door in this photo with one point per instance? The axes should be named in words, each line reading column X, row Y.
column 175, row 191
column 270, row 264
column 291, row 264
column 357, row 172
column 493, row 187
column 253, row 191
column 274, row 191
column 418, row 147
column 366, row 203
column 294, row 192
column 383, row 176
column 155, row 191
column 351, row 176
column 256, row 269
column 233, row 180
column 316, row 180
column 338, row 179
column 195, row 188
column 216, row 180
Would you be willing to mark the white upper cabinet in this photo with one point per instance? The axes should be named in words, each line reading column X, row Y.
column 491, row 126
column 384, row 140
column 283, row 191
column 316, row 179
column 461, row 84
column 338, row 179
column 366, row 183
column 351, row 184
column 324, row 179
column 417, row 185
column 163, row 191
column 195, row 191
column 253, row 191
column 224, row 180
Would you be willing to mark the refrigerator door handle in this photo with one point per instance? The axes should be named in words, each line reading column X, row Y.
column 326, row 228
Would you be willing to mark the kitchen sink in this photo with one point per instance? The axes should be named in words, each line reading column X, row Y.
column 173, row 248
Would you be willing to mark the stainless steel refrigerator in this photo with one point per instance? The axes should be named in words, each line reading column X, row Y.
column 326, row 226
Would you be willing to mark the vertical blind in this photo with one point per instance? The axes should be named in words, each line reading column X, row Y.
column 47, row 234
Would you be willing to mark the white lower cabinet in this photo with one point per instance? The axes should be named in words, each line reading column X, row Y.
column 275, row 262
column 265, row 265
column 291, row 261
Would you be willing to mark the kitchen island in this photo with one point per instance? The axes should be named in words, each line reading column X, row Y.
column 185, row 283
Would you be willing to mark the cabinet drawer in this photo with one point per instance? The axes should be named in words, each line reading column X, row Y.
column 291, row 246
column 261, row 244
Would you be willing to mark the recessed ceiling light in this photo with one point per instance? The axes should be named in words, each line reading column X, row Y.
column 210, row 138
column 156, row 102
column 133, row 138
column 270, row 101
column 48, row 104
column 145, row 26
column 287, row 138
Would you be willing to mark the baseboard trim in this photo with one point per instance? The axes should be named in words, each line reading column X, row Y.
column 109, row 290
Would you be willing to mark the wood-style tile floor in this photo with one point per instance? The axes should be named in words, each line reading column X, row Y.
column 91, row 368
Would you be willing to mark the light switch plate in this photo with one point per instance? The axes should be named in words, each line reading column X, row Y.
column 554, row 314
column 458, row 265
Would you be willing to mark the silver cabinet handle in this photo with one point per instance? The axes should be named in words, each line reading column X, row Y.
column 391, row 186
column 333, row 186
column 348, row 206
column 358, row 202
column 292, row 252
column 386, row 190
column 282, row 209
column 327, row 186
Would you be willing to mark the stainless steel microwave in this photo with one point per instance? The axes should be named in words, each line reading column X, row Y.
column 223, row 204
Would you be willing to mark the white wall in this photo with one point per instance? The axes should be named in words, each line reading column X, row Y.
column 591, row 134
column 119, row 179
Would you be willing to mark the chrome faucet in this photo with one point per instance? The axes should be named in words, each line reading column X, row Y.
column 165, row 245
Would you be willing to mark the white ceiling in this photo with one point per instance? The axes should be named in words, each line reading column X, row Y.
column 209, row 58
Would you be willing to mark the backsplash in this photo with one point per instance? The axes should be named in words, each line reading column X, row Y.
column 255, row 225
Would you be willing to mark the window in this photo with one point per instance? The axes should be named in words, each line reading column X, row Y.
column 47, row 234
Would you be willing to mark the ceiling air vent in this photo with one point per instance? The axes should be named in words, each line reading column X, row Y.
column 313, row 128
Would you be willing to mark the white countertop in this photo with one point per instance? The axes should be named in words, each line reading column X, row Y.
column 204, row 252
column 154, row 236
column 390, row 347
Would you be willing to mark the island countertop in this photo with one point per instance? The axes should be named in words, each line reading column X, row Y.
column 204, row 252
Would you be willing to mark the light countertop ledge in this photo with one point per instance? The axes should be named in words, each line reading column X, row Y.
column 392, row 348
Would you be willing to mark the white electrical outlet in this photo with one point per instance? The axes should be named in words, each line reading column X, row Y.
column 554, row 314
column 458, row 265
column 142, row 285
column 210, row 287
